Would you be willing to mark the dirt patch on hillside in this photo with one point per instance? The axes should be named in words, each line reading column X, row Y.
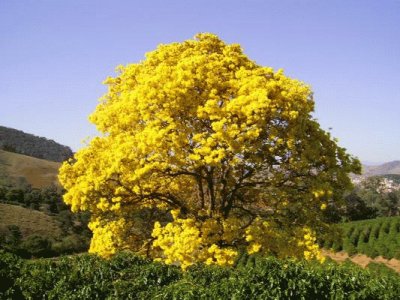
column 362, row 260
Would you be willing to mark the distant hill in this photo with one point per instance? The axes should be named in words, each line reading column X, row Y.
column 392, row 167
column 28, row 144
column 16, row 169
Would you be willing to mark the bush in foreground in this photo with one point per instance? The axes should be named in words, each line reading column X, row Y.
column 127, row 276
column 9, row 271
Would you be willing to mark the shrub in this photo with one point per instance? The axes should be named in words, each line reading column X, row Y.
column 381, row 270
column 37, row 246
column 10, row 266
column 127, row 276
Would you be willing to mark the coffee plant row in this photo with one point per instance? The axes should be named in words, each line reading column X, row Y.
column 127, row 276
column 374, row 237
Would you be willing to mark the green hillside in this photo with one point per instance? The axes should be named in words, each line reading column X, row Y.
column 373, row 237
column 16, row 169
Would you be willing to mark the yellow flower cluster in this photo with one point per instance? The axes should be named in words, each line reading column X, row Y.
column 310, row 247
column 265, row 237
column 187, row 241
column 106, row 237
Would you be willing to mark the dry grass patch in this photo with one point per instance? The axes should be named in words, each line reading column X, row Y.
column 37, row 172
column 29, row 221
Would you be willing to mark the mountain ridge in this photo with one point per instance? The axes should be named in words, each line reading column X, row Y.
column 18, row 141
column 391, row 167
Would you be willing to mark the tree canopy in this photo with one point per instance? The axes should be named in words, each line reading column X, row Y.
column 202, row 152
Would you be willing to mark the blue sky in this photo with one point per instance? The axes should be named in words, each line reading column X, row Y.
column 54, row 55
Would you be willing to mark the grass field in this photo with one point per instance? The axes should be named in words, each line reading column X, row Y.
column 37, row 172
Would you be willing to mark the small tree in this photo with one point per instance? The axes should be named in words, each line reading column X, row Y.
column 203, row 151
column 15, row 195
column 37, row 246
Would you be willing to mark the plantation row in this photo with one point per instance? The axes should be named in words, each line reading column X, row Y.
column 375, row 237
column 126, row 276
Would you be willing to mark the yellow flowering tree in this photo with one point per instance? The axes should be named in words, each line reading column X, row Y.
column 201, row 152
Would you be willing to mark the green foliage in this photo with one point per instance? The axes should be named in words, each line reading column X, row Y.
column 89, row 277
column 381, row 270
column 9, row 271
column 70, row 244
column 376, row 195
column 37, row 246
column 10, row 236
column 356, row 208
column 127, row 276
column 375, row 237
